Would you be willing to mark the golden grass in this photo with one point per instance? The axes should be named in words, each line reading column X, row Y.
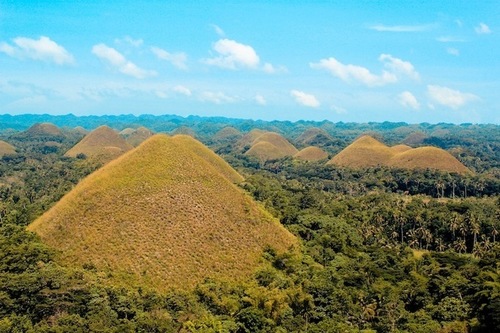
column 6, row 148
column 137, row 136
column 163, row 215
column 44, row 129
column 270, row 146
column 102, row 144
column 313, row 134
column 184, row 130
column 248, row 139
column 368, row 152
column 427, row 157
column 227, row 133
column 311, row 154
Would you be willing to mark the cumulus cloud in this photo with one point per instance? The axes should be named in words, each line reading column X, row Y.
column 117, row 60
column 260, row 100
column 346, row 72
column 399, row 66
column 177, row 59
column 407, row 100
column 305, row 99
column 402, row 28
column 453, row 51
column 182, row 90
column 43, row 49
column 233, row 55
column 482, row 29
column 216, row 97
column 449, row 97
column 349, row 73
column 270, row 69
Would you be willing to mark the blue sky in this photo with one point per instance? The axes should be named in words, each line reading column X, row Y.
column 412, row 61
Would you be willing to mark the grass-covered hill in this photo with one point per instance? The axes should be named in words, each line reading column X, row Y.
column 135, row 137
column 6, row 148
column 227, row 134
column 368, row 152
column 311, row 154
column 166, row 214
column 102, row 144
column 314, row 136
column 270, row 146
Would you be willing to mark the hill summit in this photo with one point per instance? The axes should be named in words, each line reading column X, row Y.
column 166, row 214
column 368, row 152
column 270, row 146
column 102, row 144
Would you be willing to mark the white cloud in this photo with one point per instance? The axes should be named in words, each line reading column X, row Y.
column 407, row 99
column 233, row 55
column 338, row 109
column 216, row 97
column 43, row 49
column 130, row 41
column 161, row 94
column 117, row 60
column 260, row 100
column 349, row 73
column 177, row 59
column 270, row 69
column 449, row 97
column 450, row 39
column 305, row 99
column 218, row 30
column 482, row 29
column 453, row 51
column 402, row 28
column 182, row 90
column 399, row 66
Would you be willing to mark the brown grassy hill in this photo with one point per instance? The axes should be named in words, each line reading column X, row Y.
column 138, row 136
column 364, row 152
column 311, row 154
column 400, row 148
column 427, row 157
column 314, row 136
column 228, row 133
column 415, row 138
column 278, row 141
column 126, row 132
column 247, row 139
column 271, row 146
column 184, row 130
column 162, row 215
column 44, row 129
column 6, row 148
column 102, row 144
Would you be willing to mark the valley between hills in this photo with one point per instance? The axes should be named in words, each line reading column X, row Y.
column 172, row 224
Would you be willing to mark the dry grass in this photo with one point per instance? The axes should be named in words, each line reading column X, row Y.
column 185, row 131
column 102, row 144
column 270, row 146
column 226, row 134
column 364, row 152
column 44, row 129
column 313, row 135
column 428, row 157
column 162, row 215
column 248, row 139
column 368, row 152
column 6, row 148
column 311, row 154
column 137, row 136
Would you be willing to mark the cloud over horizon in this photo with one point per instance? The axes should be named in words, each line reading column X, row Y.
column 305, row 99
column 408, row 100
column 118, row 61
column 448, row 97
column 233, row 55
column 44, row 49
column 178, row 59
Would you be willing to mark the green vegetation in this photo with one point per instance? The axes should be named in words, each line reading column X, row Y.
column 382, row 249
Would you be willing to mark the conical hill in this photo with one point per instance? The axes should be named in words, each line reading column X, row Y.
column 226, row 134
column 364, row 152
column 137, row 136
column 271, row 146
column 428, row 157
column 311, row 154
column 102, row 144
column 314, row 136
column 44, row 129
column 6, row 148
column 162, row 215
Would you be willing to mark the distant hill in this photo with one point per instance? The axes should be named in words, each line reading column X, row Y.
column 368, row 152
column 102, row 144
column 314, row 137
column 427, row 157
column 247, row 140
column 227, row 134
column 362, row 153
column 311, row 154
column 184, row 130
column 41, row 132
column 135, row 137
column 270, row 146
column 166, row 214
column 6, row 148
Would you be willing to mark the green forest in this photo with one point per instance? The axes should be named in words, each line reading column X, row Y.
column 381, row 249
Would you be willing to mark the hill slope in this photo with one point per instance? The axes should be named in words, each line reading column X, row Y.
column 6, row 148
column 364, row 152
column 137, row 136
column 103, row 144
column 270, row 146
column 176, row 222
column 427, row 157
column 314, row 137
column 311, row 154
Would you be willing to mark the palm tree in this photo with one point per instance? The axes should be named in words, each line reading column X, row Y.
column 460, row 246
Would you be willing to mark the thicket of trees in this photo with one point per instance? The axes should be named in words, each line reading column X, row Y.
column 382, row 250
